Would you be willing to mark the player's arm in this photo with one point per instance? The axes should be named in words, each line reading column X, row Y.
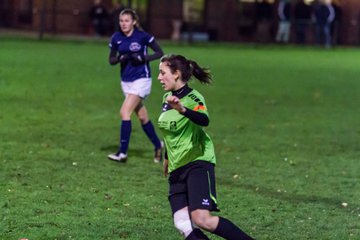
column 158, row 52
column 113, row 58
column 196, row 117
column 139, row 58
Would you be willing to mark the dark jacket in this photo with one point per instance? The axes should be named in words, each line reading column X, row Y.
column 284, row 10
column 324, row 14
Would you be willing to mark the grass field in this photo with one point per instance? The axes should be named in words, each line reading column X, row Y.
column 285, row 122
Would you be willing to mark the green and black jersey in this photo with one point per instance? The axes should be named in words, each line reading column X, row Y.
column 185, row 140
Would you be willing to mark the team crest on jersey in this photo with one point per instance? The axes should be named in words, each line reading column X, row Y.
column 173, row 125
column 134, row 47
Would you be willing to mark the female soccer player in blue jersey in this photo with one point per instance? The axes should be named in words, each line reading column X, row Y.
column 189, row 156
column 129, row 47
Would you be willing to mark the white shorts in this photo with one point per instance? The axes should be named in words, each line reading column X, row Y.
column 140, row 87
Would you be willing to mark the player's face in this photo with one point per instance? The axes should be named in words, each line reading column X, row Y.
column 169, row 81
column 126, row 23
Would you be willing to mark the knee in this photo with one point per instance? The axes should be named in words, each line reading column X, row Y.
column 142, row 115
column 200, row 221
column 204, row 220
column 124, row 114
column 143, row 118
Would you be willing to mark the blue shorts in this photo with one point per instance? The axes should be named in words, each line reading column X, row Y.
column 193, row 186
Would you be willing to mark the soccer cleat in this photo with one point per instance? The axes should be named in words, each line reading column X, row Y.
column 159, row 153
column 119, row 157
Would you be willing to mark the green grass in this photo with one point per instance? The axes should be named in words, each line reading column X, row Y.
column 285, row 122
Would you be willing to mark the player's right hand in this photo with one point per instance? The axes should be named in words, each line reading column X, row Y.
column 123, row 58
column 175, row 103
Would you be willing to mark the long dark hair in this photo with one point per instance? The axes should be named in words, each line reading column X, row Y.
column 187, row 68
column 133, row 15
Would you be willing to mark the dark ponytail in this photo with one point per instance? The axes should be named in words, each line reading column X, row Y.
column 187, row 68
column 202, row 74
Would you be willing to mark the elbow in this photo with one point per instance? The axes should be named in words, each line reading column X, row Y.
column 113, row 61
column 158, row 53
column 206, row 123
column 161, row 53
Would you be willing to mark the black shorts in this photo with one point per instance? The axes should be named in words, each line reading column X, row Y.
column 193, row 185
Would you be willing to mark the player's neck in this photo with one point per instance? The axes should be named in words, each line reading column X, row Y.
column 128, row 34
column 182, row 91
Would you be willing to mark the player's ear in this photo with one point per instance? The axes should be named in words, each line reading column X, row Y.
column 177, row 75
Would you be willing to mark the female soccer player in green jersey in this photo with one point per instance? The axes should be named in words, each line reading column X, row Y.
column 190, row 157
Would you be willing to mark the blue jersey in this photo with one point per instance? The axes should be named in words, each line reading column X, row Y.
column 136, row 43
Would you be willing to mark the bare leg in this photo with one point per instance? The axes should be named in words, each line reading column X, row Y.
column 129, row 105
column 149, row 129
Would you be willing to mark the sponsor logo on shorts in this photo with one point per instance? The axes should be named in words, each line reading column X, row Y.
column 205, row 202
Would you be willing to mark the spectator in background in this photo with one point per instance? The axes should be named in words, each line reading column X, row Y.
column 324, row 15
column 115, row 12
column 99, row 18
column 264, row 16
column 302, row 15
column 336, row 24
column 284, row 14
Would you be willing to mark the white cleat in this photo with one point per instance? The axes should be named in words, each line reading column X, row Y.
column 121, row 157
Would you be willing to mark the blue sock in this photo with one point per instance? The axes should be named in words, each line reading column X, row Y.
column 150, row 132
column 125, row 132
